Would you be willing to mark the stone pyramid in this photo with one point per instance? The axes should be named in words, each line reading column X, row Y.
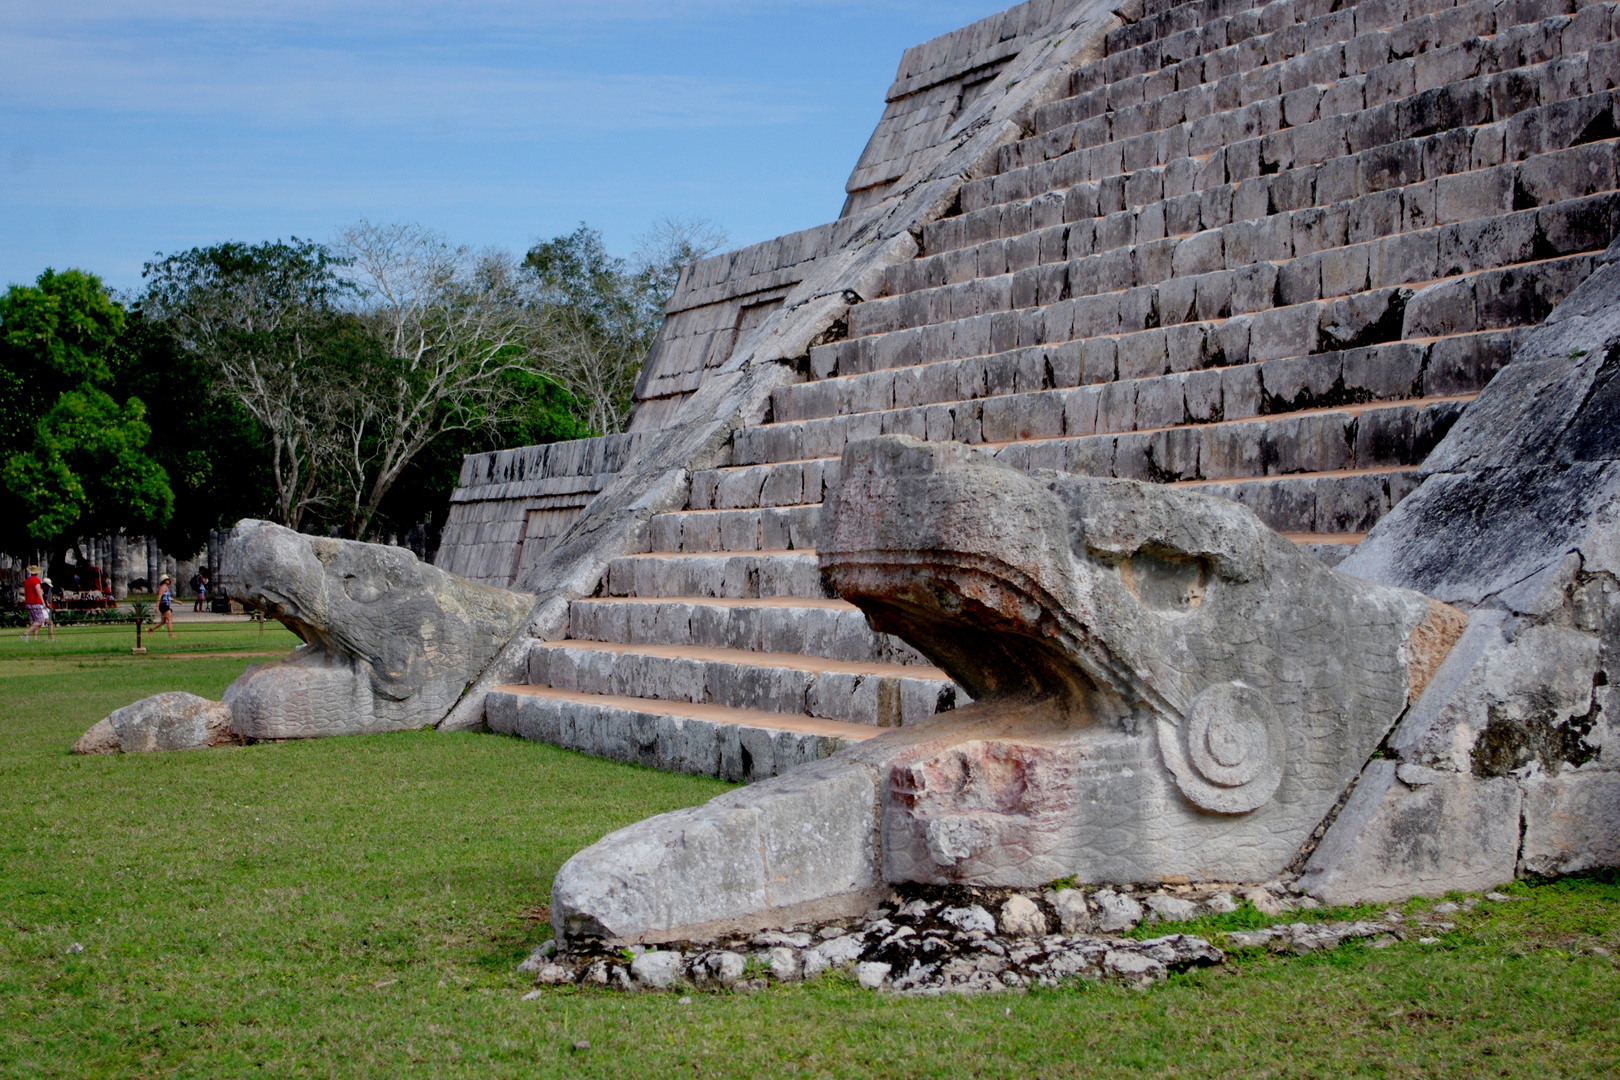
column 1269, row 252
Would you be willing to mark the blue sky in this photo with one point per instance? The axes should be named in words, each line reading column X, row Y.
column 131, row 128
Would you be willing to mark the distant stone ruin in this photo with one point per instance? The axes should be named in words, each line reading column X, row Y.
column 1190, row 457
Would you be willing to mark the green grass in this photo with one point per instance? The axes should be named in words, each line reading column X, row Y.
column 356, row 907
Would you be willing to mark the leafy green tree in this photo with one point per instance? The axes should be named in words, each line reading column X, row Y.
column 602, row 313
column 214, row 452
column 75, row 461
column 549, row 414
column 55, row 335
column 88, row 472
column 456, row 352
column 265, row 319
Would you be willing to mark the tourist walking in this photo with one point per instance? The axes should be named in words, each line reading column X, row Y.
column 199, row 585
column 166, row 605
column 38, row 614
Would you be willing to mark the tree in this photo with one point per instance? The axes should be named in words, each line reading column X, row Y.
column 265, row 320
column 602, row 313
column 75, row 461
column 55, row 335
column 457, row 352
column 216, row 455
column 422, row 493
column 88, row 473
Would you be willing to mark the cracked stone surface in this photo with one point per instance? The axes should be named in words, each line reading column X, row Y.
column 169, row 721
column 391, row 642
column 1509, row 762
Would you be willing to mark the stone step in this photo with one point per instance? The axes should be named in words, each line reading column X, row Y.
column 1331, row 548
column 834, row 629
column 1332, row 82
column 1480, row 81
column 777, row 528
column 1343, row 504
column 1009, row 385
column 743, row 575
column 1340, row 500
column 1250, row 267
column 1168, row 37
column 886, row 695
column 1413, row 303
column 1556, row 205
column 1355, row 42
column 1328, row 439
column 706, row 740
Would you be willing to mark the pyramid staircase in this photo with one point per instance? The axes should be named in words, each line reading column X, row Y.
column 1268, row 253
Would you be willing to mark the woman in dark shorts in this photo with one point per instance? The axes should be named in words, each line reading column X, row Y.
column 166, row 604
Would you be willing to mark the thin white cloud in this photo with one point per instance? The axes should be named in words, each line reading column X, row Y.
column 489, row 65
column 297, row 85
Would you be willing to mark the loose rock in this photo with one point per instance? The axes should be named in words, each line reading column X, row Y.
column 1172, row 908
column 920, row 945
column 659, row 970
column 1073, row 915
column 1263, row 902
column 784, row 963
column 1132, row 965
column 871, row 976
column 1021, row 918
column 169, row 721
column 1115, row 911
column 969, row 918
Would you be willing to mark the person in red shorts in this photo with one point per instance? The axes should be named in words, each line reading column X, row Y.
column 34, row 601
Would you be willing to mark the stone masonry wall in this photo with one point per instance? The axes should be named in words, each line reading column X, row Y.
column 936, row 81
column 511, row 502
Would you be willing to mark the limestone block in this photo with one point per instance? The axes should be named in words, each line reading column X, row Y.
column 1020, row 917
column 657, row 969
column 1508, row 696
column 1571, row 821
column 1172, row 908
column 1116, row 912
column 169, row 721
column 1424, row 833
column 781, row 842
column 1074, row 916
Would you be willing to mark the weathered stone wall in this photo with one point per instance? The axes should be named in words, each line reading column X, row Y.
column 717, row 303
column 1510, row 763
column 937, row 80
column 510, row 504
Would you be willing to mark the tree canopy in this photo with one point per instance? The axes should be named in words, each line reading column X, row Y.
column 331, row 387
column 75, row 460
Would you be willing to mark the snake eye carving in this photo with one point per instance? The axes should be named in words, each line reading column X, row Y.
column 1228, row 753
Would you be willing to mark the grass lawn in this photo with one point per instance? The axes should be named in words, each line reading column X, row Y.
column 356, row 907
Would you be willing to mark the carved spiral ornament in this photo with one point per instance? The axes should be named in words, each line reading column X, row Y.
column 1228, row 753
